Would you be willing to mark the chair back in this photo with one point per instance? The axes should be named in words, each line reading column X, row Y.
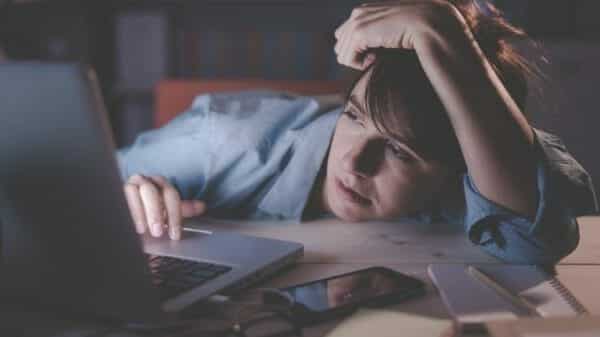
column 175, row 96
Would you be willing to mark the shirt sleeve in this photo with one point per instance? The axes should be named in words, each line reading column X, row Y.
column 178, row 151
column 241, row 152
column 565, row 191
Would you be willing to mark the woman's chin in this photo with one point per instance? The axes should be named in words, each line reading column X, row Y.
column 348, row 212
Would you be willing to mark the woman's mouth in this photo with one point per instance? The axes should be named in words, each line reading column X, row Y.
column 350, row 195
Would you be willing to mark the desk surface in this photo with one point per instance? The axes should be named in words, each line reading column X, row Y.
column 335, row 241
column 333, row 247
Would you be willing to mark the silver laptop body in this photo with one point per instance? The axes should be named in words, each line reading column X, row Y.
column 68, row 241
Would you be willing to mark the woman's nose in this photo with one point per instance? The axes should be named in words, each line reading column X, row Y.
column 361, row 158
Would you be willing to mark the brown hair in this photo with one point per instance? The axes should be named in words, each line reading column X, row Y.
column 428, row 120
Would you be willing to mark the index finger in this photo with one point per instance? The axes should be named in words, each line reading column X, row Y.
column 172, row 202
column 355, row 12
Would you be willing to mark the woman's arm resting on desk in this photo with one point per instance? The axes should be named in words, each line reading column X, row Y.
column 565, row 191
column 496, row 140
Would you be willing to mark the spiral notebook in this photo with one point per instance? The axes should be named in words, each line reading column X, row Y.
column 581, row 326
column 470, row 301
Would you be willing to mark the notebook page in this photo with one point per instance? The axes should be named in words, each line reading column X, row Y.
column 388, row 323
column 547, row 302
column 544, row 290
column 580, row 326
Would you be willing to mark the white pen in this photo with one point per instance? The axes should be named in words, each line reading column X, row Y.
column 517, row 300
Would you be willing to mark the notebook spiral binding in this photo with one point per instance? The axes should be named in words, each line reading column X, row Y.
column 568, row 296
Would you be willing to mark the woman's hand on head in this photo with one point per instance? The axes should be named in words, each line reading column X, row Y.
column 389, row 24
column 156, row 206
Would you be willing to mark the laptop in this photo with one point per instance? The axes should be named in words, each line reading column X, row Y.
column 68, row 240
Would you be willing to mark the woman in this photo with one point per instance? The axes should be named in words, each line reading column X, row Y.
column 432, row 128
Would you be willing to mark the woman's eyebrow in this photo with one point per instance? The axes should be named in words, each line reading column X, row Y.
column 407, row 143
column 403, row 142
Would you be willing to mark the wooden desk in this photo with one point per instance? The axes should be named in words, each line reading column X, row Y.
column 333, row 247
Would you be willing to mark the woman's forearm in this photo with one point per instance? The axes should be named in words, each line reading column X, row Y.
column 495, row 138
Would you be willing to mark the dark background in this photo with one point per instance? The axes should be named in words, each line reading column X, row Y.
column 134, row 43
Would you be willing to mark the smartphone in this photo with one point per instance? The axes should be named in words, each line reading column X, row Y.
column 330, row 297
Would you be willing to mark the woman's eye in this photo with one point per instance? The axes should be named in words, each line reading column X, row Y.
column 351, row 115
column 397, row 151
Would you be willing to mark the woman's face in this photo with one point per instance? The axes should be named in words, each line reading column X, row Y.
column 372, row 176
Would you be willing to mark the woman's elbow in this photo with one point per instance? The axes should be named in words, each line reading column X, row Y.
column 539, row 247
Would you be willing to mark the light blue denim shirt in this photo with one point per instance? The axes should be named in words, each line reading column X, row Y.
column 257, row 153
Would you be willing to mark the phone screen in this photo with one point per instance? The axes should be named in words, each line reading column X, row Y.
column 353, row 288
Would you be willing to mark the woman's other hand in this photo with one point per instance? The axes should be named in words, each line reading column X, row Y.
column 390, row 24
column 155, row 205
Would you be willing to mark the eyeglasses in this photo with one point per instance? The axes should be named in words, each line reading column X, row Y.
column 250, row 321
column 247, row 320
column 266, row 321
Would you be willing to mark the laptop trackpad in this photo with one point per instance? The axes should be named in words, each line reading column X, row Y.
column 195, row 246
column 222, row 248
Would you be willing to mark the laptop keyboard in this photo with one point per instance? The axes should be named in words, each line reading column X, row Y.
column 173, row 276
